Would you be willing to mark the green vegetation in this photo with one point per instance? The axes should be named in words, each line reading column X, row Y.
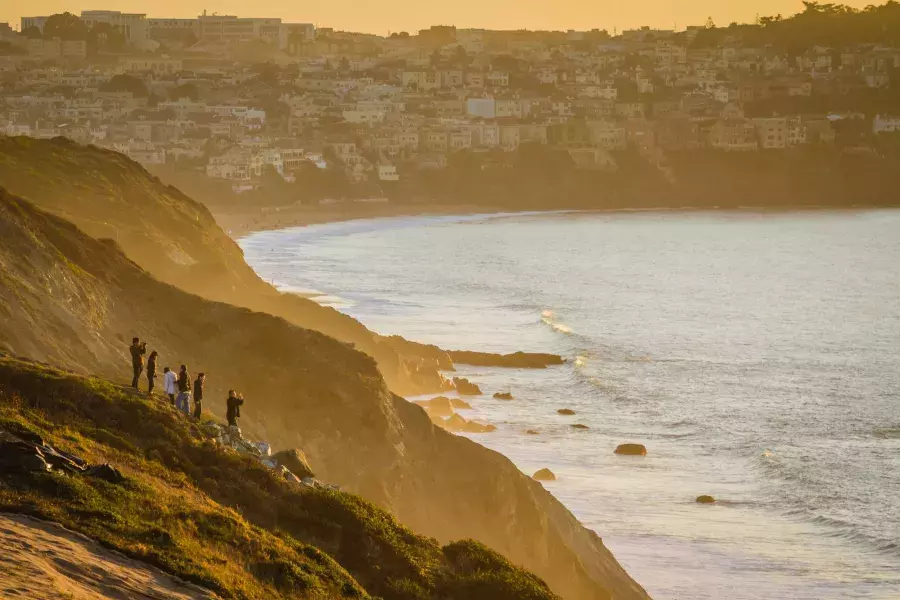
column 216, row 518
column 818, row 24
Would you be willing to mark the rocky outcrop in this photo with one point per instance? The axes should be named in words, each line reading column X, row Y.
column 466, row 387
column 517, row 360
column 26, row 452
column 459, row 403
column 458, row 424
column 437, row 407
column 295, row 462
column 544, row 475
column 503, row 396
column 631, row 449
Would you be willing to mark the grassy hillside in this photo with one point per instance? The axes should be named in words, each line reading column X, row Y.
column 219, row 519
column 72, row 300
column 176, row 239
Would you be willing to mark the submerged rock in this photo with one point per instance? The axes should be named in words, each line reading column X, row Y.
column 533, row 432
column 631, row 449
column 566, row 411
column 466, row 387
column 295, row 462
column 544, row 475
column 503, row 396
column 705, row 500
column 579, row 426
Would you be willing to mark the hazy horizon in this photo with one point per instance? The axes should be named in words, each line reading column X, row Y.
column 411, row 16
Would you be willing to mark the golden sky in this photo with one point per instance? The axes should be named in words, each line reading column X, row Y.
column 383, row 16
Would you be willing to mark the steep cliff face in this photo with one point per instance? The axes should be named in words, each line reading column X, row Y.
column 73, row 300
column 177, row 240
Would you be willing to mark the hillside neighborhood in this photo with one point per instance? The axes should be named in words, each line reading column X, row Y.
column 243, row 100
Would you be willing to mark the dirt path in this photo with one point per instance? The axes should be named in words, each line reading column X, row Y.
column 44, row 561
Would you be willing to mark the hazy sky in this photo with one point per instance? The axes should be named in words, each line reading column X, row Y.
column 382, row 16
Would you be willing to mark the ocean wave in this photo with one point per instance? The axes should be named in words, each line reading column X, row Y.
column 549, row 318
column 804, row 510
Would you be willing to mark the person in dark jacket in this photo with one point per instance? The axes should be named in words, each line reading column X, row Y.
column 198, row 394
column 151, row 371
column 183, row 401
column 233, row 407
column 138, row 350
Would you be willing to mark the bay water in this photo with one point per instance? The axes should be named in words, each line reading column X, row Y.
column 756, row 355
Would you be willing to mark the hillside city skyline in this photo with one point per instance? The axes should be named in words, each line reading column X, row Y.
column 405, row 15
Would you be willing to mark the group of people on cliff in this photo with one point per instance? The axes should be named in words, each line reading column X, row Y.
column 178, row 386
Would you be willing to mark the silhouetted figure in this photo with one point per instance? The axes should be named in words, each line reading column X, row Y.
column 169, row 384
column 138, row 350
column 151, row 371
column 183, row 401
column 198, row 394
column 233, row 407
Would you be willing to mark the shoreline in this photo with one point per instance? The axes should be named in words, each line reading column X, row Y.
column 241, row 222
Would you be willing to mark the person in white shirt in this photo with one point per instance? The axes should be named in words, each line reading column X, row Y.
column 169, row 384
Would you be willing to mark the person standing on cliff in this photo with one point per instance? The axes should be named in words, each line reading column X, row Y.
column 138, row 350
column 233, row 408
column 183, row 401
column 169, row 387
column 198, row 395
column 151, row 371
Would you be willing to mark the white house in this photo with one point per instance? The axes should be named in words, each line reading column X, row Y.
column 886, row 124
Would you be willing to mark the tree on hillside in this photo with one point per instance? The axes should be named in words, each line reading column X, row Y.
column 65, row 26
column 7, row 49
column 126, row 83
column 32, row 33
column 186, row 90
column 104, row 36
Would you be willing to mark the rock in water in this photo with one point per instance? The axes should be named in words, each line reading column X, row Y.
column 458, row 424
column 437, row 407
column 566, row 411
column 544, row 475
column 533, row 432
column 631, row 449
column 503, row 396
column 295, row 462
column 706, row 500
column 466, row 387
column 579, row 426
column 458, row 403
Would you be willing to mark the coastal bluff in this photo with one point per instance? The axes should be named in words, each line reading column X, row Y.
column 71, row 299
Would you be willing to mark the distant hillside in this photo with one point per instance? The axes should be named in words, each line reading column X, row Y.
column 215, row 518
column 69, row 299
column 177, row 240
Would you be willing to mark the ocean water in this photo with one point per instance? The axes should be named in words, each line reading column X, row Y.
column 756, row 355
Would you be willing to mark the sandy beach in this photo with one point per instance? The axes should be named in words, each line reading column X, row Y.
column 241, row 221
